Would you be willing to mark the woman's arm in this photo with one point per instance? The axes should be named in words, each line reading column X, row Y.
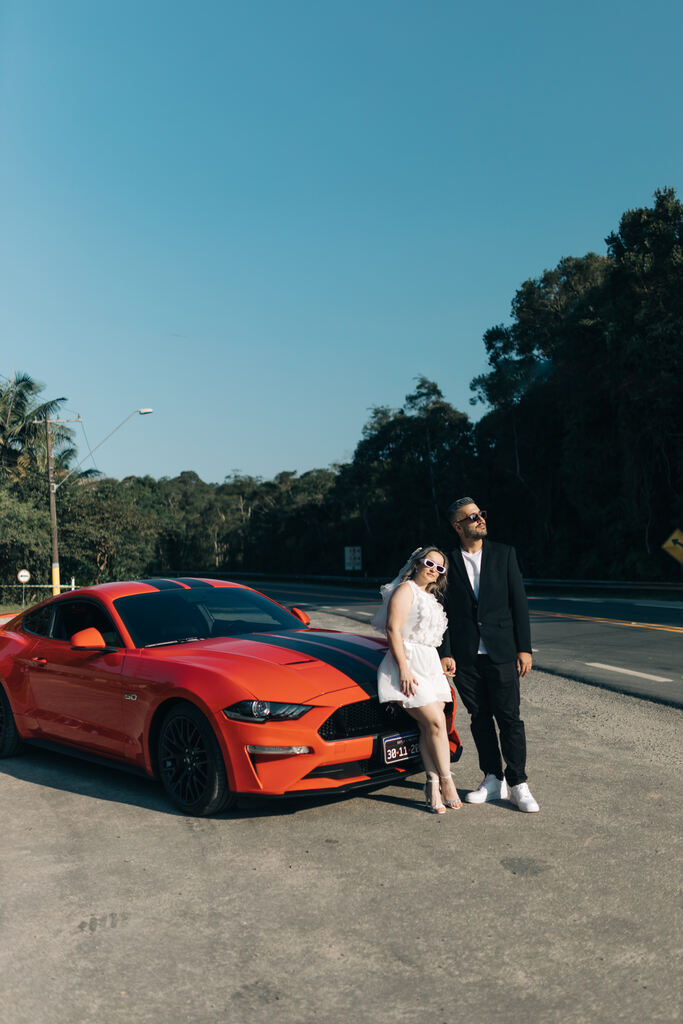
column 399, row 606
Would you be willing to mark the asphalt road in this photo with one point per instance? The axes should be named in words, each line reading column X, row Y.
column 116, row 908
column 632, row 646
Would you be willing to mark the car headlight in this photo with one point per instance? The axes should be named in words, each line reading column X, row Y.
column 264, row 711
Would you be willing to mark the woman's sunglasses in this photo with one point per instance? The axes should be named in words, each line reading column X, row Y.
column 432, row 565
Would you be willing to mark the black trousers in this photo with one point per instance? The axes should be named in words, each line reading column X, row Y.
column 491, row 692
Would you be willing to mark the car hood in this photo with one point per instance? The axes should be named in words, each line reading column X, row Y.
column 292, row 664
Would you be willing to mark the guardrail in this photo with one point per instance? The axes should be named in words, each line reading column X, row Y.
column 615, row 587
column 29, row 591
column 629, row 585
column 38, row 586
column 675, row 590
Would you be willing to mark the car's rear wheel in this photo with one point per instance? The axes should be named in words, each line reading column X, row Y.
column 10, row 743
column 191, row 765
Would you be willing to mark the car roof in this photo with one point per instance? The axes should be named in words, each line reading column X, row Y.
column 127, row 588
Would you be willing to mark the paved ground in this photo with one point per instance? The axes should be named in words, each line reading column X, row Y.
column 115, row 908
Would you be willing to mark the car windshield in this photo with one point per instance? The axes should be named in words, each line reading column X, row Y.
column 181, row 616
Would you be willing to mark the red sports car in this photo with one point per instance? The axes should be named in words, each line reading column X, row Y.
column 207, row 685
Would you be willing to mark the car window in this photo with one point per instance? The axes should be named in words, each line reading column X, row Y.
column 72, row 616
column 174, row 616
column 38, row 621
column 239, row 611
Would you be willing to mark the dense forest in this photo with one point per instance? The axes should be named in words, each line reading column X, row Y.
column 578, row 456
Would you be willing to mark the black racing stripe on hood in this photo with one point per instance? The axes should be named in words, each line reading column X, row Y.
column 373, row 654
column 162, row 584
column 193, row 583
column 362, row 670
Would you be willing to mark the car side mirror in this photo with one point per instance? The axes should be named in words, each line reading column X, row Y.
column 301, row 616
column 88, row 640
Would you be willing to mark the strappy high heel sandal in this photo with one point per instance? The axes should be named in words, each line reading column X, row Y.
column 432, row 806
column 456, row 802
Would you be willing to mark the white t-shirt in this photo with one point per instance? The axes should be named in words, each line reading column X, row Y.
column 473, row 567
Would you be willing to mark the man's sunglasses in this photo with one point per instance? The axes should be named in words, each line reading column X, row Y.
column 432, row 565
column 473, row 516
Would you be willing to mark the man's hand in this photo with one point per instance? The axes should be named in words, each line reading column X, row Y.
column 524, row 661
column 448, row 665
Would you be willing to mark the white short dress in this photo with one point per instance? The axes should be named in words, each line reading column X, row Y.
column 422, row 633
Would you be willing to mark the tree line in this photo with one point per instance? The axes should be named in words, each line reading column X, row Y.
column 578, row 456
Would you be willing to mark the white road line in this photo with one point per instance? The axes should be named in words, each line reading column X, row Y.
column 342, row 609
column 628, row 672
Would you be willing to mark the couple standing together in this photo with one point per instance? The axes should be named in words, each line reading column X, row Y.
column 470, row 623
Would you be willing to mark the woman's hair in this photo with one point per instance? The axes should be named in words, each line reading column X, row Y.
column 438, row 586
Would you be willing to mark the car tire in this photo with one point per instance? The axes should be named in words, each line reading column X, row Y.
column 10, row 743
column 191, row 765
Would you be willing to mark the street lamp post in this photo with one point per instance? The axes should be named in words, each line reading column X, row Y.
column 53, row 508
column 56, row 585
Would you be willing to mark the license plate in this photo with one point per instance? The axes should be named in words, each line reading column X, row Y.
column 401, row 747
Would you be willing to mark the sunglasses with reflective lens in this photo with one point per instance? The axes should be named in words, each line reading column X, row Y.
column 473, row 516
column 432, row 565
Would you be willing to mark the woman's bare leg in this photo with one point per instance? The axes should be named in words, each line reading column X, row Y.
column 434, row 748
column 433, row 738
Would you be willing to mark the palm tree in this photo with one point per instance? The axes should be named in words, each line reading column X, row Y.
column 22, row 430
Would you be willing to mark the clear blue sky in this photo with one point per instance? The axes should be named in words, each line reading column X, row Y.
column 264, row 217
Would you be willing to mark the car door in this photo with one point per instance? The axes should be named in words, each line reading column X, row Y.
column 77, row 696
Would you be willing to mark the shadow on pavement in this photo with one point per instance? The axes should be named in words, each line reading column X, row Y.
column 53, row 770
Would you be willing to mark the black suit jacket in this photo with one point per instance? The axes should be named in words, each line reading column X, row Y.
column 500, row 616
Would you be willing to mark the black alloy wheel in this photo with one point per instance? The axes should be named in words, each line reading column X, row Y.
column 10, row 743
column 191, row 765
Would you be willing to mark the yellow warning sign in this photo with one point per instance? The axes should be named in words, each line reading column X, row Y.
column 674, row 545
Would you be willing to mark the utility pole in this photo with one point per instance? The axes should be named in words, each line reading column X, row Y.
column 52, row 486
column 56, row 588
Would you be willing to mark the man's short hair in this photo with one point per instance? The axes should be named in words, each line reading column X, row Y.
column 456, row 506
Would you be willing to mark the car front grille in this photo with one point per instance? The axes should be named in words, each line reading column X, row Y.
column 366, row 718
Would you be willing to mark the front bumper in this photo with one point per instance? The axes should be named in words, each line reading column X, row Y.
column 329, row 765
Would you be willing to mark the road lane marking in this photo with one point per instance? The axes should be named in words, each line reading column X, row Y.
column 628, row 672
column 609, row 622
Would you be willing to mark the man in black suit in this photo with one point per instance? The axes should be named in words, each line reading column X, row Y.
column 488, row 644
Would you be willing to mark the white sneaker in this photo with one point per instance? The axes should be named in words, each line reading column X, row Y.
column 490, row 788
column 521, row 796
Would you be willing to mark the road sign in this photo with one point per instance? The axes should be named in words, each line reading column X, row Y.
column 674, row 545
column 23, row 575
column 353, row 561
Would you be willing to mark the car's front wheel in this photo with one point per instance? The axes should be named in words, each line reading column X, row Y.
column 191, row 765
column 10, row 743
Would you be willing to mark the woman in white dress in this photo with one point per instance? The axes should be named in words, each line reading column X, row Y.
column 411, row 672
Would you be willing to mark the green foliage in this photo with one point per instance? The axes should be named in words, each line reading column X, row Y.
column 22, row 428
column 403, row 475
column 586, row 429
column 24, row 537
column 579, row 457
column 104, row 533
